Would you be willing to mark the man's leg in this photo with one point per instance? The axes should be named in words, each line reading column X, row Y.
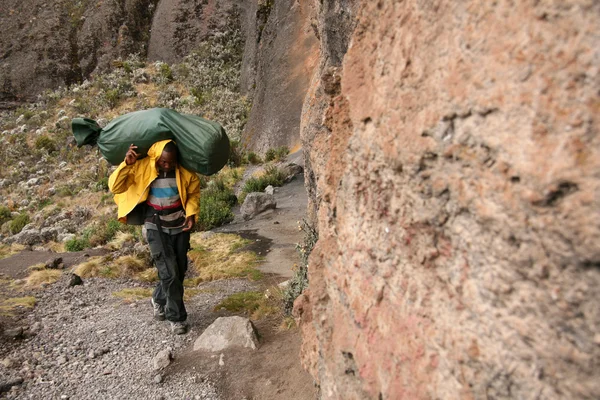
column 171, row 280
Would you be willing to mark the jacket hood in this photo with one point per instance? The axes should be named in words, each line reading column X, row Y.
column 157, row 148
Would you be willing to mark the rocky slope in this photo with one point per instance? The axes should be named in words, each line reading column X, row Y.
column 453, row 171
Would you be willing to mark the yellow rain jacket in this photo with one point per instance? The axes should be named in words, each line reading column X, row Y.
column 131, row 185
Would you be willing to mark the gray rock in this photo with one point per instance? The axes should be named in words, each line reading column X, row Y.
column 14, row 333
column 294, row 169
column 255, row 203
column 48, row 234
column 8, row 362
column 270, row 190
column 6, row 385
column 28, row 237
column 158, row 378
column 33, row 182
column 162, row 359
column 65, row 237
column 227, row 332
column 75, row 281
column 54, row 263
column 63, row 122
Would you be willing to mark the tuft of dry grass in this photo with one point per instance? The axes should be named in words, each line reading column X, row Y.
column 55, row 247
column 36, row 278
column 7, row 251
column 148, row 275
column 133, row 294
column 37, row 267
column 257, row 305
column 95, row 267
column 217, row 257
column 120, row 239
column 122, row 267
column 128, row 266
column 8, row 306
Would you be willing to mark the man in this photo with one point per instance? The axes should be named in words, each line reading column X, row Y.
column 164, row 196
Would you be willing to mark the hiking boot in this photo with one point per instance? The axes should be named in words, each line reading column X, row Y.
column 179, row 328
column 159, row 311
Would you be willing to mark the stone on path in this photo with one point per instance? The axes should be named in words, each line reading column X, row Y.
column 75, row 280
column 227, row 332
column 6, row 385
column 162, row 359
column 14, row 332
column 257, row 202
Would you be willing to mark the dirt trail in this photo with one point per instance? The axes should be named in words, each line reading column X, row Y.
column 89, row 344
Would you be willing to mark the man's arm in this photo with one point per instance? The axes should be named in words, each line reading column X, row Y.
column 192, row 206
column 123, row 177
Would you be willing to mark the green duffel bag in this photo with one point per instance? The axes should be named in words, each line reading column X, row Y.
column 203, row 145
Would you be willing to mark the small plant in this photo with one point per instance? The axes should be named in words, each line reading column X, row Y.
column 134, row 294
column 270, row 155
column 254, row 158
column 5, row 215
column 277, row 154
column 299, row 281
column 8, row 306
column 76, row 244
column 44, row 142
column 111, row 98
column 257, row 305
column 235, row 154
column 36, row 278
column 221, row 257
column 17, row 224
column 164, row 71
column 214, row 210
column 273, row 176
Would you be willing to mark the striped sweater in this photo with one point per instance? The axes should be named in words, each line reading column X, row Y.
column 164, row 200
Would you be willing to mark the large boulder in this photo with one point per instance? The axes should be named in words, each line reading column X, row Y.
column 228, row 332
column 257, row 202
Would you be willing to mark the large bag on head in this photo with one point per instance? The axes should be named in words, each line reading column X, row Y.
column 203, row 145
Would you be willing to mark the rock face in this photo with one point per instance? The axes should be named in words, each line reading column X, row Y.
column 454, row 149
column 47, row 44
column 279, row 65
column 227, row 332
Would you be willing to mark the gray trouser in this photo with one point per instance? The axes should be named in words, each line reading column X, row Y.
column 170, row 258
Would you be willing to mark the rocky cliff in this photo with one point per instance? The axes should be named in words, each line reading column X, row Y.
column 44, row 46
column 453, row 156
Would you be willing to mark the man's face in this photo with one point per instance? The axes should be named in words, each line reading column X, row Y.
column 167, row 161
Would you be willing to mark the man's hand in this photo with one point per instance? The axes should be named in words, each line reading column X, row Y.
column 131, row 156
column 189, row 223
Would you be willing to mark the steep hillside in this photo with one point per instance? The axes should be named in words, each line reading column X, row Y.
column 454, row 156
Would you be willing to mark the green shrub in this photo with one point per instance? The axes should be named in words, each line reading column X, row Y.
column 111, row 98
column 102, row 184
column 164, row 70
column 273, row 176
column 45, row 142
column 235, row 154
column 5, row 215
column 99, row 234
column 77, row 244
column 17, row 224
column 277, row 154
column 270, row 155
column 215, row 206
column 254, row 158
column 281, row 152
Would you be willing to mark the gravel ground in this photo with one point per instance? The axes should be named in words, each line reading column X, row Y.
column 84, row 343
